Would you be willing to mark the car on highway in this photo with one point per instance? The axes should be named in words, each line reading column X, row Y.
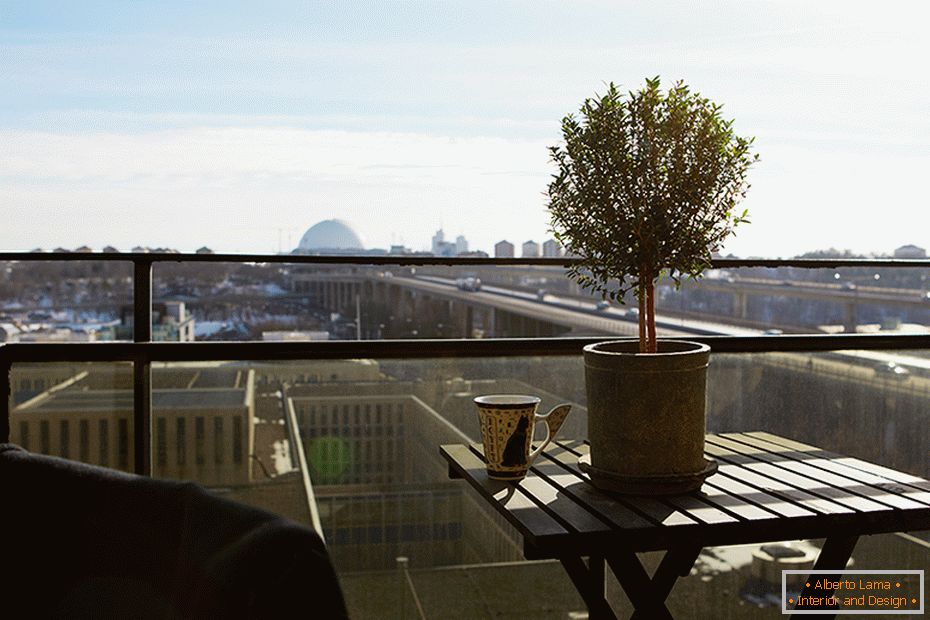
column 892, row 370
column 602, row 305
column 469, row 283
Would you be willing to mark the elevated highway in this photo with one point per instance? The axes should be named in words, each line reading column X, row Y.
column 579, row 315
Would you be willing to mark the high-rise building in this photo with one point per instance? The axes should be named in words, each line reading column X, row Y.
column 441, row 247
column 551, row 249
column 530, row 249
column 438, row 239
column 461, row 245
column 503, row 249
column 910, row 251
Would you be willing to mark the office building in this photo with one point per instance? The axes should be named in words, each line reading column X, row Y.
column 910, row 251
column 503, row 249
column 551, row 249
column 530, row 249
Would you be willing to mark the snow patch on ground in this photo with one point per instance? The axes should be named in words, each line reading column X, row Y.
column 281, row 457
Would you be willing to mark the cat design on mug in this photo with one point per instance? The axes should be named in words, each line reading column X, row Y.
column 515, row 451
column 507, row 422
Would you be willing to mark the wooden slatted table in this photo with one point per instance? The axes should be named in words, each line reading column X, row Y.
column 767, row 488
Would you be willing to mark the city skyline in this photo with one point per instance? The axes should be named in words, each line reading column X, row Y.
column 235, row 126
column 424, row 248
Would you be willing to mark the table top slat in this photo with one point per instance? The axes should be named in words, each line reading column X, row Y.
column 847, row 478
column 519, row 509
column 700, row 510
column 605, row 506
column 659, row 512
column 737, row 469
column 819, row 483
column 573, row 516
column 872, row 468
column 752, row 495
column 713, row 507
column 766, row 488
column 717, row 494
column 895, row 483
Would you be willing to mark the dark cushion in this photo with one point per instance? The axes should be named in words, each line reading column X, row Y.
column 87, row 542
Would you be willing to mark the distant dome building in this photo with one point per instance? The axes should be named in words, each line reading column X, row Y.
column 330, row 237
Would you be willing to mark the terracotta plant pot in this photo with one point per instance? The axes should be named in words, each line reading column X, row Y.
column 647, row 416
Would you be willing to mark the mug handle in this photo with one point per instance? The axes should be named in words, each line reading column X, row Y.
column 553, row 420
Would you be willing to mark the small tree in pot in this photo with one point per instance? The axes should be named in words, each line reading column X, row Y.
column 647, row 185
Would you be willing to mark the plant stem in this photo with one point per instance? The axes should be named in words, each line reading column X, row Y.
column 641, row 296
column 652, row 344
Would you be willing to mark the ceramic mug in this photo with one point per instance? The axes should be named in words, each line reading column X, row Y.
column 507, row 422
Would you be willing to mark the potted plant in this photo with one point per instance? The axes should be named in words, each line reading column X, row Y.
column 647, row 187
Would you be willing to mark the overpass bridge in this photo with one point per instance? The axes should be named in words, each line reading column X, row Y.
column 508, row 304
column 494, row 311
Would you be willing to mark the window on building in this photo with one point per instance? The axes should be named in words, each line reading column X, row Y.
column 218, row 440
column 161, row 442
column 45, row 441
column 122, row 443
column 84, row 440
column 24, row 434
column 199, row 438
column 237, row 440
column 64, row 439
column 182, row 441
column 104, row 443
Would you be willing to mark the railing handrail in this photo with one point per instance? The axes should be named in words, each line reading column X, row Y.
column 20, row 352
column 142, row 352
column 418, row 260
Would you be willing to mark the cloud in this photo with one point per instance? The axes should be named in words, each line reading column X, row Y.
column 171, row 184
column 236, row 153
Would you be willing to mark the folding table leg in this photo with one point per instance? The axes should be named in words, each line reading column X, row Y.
column 647, row 594
column 676, row 563
column 589, row 581
column 635, row 581
column 834, row 555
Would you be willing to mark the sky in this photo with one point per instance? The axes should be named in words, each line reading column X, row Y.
column 238, row 125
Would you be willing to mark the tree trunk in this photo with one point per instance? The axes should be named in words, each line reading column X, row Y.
column 651, row 316
column 641, row 297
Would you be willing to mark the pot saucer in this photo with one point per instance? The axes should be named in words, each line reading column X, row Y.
column 659, row 484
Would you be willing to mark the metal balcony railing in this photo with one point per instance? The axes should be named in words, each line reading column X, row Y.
column 142, row 352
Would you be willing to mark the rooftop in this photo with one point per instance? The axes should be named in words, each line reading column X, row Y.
column 76, row 400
